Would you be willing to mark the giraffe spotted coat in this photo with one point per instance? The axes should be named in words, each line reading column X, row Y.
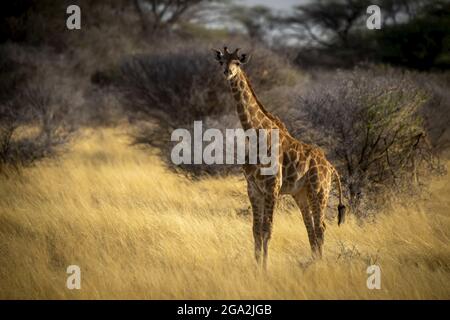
column 303, row 170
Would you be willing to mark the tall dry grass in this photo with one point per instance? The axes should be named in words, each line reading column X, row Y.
column 139, row 231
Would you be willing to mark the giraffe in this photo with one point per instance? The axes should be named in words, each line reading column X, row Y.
column 303, row 170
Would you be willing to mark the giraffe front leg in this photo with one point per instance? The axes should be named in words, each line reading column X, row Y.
column 257, row 236
column 269, row 205
column 258, row 211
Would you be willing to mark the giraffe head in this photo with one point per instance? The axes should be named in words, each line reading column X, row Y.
column 230, row 61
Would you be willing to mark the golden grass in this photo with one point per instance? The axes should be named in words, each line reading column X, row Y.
column 139, row 231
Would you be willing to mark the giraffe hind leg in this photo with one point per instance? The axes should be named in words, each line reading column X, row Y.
column 319, row 202
column 302, row 202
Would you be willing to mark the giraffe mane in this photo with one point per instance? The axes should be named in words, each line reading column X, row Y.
column 268, row 114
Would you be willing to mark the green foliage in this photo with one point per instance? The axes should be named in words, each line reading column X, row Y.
column 422, row 43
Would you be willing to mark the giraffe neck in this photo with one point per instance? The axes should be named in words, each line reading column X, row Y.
column 249, row 109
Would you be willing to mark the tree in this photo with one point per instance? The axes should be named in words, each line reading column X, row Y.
column 421, row 43
column 414, row 33
column 370, row 123
column 256, row 20
column 159, row 15
column 327, row 23
column 400, row 11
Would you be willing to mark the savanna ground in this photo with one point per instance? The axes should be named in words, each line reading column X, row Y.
column 138, row 230
column 85, row 178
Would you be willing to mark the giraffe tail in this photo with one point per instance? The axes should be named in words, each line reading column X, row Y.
column 341, row 208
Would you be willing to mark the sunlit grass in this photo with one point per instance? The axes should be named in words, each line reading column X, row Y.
column 139, row 231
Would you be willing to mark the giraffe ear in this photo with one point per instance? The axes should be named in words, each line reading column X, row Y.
column 244, row 58
column 218, row 55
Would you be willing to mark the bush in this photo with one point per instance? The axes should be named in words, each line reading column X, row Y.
column 176, row 88
column 186, row 84
column 31, row 128
column 33, row 112
column 436, row 110
column 370, row 122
